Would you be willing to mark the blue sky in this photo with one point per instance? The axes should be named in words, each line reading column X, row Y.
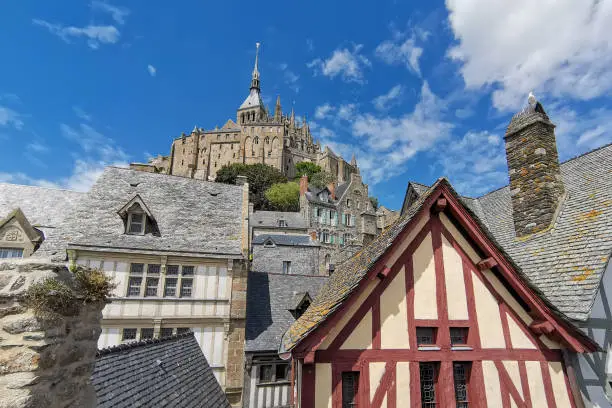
column 415, row 89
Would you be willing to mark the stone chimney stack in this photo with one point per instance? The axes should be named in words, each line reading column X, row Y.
column 536, row 186
column 332, row 189
column 303, row 185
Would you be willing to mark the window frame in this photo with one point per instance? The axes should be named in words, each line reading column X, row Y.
column 287, row 267
column 467, row 365
column 11, row 250
column 354, row 391
column 273, row 379
column 436, row 388
column 130, row 223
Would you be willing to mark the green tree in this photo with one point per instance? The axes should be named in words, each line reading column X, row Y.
column 307, row 168
column 321, row 179
column 259, row 176
column 374, row 202
column 284, row 196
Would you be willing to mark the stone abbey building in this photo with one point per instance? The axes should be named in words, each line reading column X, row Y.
column 256, row 136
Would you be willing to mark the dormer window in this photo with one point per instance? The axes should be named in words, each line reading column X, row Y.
column 282, row 223
column 136, row 223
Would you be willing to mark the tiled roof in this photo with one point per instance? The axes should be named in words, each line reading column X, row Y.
column 286, row 240
column 271, row 218
column 170, row 372
column 269, row 298
column 192, row 216
column 347, row 276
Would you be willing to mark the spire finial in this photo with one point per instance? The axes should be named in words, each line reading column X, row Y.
column 256, row 57
column 255, row 78
column 531, row 99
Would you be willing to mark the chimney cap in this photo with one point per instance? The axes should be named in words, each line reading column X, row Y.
column 241, row 180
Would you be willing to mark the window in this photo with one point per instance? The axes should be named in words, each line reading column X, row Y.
column 134, row 286
column 170, row 288
column 182, row 330
column 136, row 223
column 128, row 334
column 429, row 378
column 166, row 332
column 151, row 286
column 282, row 223
column 461, row 373
column 287, row 267
column 11, row 253
column 334, row 218
column 325, row 237
column 153, row 269
column 348, row 203
column 282, row 372
column 458, row 335
column 350, row 389
column 187, row 270
column 146, row 333
column 265, row 373
column 426, row 335
column 186, row 286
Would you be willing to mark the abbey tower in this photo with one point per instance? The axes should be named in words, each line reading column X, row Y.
column 256, row 136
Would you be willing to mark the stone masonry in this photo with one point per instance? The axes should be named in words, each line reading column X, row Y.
column 304, row 259
column 533, row 164
column 235, row 352
column 44, row 362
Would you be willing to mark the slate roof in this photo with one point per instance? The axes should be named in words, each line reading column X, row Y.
column 567, row 262
column 254, row 99
column 269, row 298
column 192, row 216
column 286, row 240
column 170, row 372
column 271, row 218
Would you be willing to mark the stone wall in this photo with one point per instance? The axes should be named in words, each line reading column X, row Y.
column 304, row 259
column 235, row 350
column 45, row 361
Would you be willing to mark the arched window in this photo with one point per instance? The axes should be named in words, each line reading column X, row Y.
column 256, row 139
column 267, row 140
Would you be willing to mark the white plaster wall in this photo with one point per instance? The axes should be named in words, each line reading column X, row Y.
column 489, row 320
column 393, row 314
column 323, row 386
column 455, row 283
column 425, row 304
column 361, row 337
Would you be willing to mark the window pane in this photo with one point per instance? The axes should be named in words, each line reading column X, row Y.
column 265, row 373
column 166, row 332
column 458, row 335
column 151, row 289
column 186, row 286
column 460, row 374
column 170, row 289
column 282, row 372
column 187, row 270
column 136, row 268
column 11, row 253
column 426, row 335
column 128, row 334
column 428, row 384
column 172, row 269
column 134, row 286
column 153, row 268
column 146, row 333
column 350, row 385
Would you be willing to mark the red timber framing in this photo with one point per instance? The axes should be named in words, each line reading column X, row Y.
column 442, row 200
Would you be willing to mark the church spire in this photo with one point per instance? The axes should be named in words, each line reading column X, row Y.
column 354, row 160
column 278, row 113
column 255, row 77
column 292, row 118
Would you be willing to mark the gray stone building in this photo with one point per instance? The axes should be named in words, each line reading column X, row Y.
column 554, row 221
column 340, row 217
column 273, row 302
column 285, row 254
column 277, row 222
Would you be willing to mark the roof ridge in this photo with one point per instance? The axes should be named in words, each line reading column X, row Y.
column 172, row 175
column 136, row 344
column 287, row 275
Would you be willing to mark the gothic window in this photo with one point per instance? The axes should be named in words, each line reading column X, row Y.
column 215, row 165
column 256, row 139
column 267, row 140
column 429, row 378
column 242, row 118
column 461, row 372
column 270, row 154
column 350, row 389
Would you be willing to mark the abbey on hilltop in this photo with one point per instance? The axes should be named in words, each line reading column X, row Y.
column 256, row 136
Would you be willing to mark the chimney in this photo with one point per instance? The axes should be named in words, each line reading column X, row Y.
column 303, row 185
column 241, row 180
column 536, row 186
column 332, row 189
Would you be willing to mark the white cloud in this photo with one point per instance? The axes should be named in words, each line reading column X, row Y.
column 94, row 144
column 348, row 64
column 347, row 111
column 579, row 132
column 9, row 117
column 562, row 48
column 384, row 102
column 290, row 77
column 475, row 164
column 37, row 147
column 401, row 52
column 95, row 34
column 81, row 114
column 152, row 70
column 323, row 111
column 117, row 13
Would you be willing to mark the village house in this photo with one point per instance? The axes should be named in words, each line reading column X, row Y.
column 497, row 301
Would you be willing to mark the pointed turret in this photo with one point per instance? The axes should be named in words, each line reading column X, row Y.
column 252, row 109
column 278, row 113
column 292, row 118
column 255, row 76
column 354, row 161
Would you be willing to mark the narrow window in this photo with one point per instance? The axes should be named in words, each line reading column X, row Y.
column 426, row 336
column 348, row 203
column 350, row 389
column 282, row 223
column 151, row 286
column 429, row 378
column 166, row 332
column 128, row 334
column 287, row 267
column 186, row 287
column 458, row 335
column 282, row 372
column 11, row 253
column 461, row 373
column 170, row 288
column 146, row 333
column 265, row 373
column 135, row 279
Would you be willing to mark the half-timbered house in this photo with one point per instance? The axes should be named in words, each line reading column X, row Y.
column 436, row 312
